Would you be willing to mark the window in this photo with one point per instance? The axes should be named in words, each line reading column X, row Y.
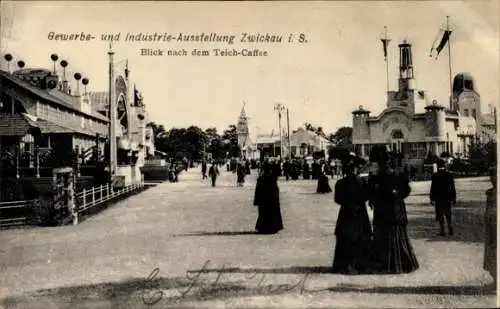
column 415, row 150
column 397, row 134
column 466, row 112
column 473, row 111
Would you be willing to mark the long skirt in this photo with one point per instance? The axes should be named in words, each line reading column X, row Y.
column 323, row 185
column 490, row 250
column 351, row 254
column 392, row 252
column 241, row 179
column 269, row 220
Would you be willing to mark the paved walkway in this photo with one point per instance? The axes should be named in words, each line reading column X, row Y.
column 199, row 240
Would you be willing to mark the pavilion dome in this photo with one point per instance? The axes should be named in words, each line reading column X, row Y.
column 463, row 82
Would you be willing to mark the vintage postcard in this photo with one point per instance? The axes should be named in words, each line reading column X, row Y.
column 250, row 154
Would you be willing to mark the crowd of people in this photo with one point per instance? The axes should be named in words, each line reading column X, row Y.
column 362, row 246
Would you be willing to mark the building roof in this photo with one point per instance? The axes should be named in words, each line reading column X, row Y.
column 302, row 135
column 267, row 139
column 20, row 124
column 52, row 95
column 14, row 125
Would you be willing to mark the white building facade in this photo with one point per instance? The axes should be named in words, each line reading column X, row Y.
column 437, row 130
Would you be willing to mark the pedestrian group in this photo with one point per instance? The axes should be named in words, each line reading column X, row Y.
column 380, row 246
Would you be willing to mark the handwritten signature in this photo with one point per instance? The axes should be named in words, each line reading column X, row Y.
column 152, row 296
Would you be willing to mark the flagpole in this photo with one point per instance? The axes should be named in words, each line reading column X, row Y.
column 449, row 60
column 386, row 62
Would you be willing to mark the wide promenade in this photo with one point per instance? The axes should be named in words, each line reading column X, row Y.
column 195, row 244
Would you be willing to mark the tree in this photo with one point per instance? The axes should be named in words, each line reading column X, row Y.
column 230, row 138
column 214, row 144
column 193, row 142
column 343, row 136
column 483, row 155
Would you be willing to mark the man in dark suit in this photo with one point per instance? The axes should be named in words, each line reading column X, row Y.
column 442, row 195
column 213, row 172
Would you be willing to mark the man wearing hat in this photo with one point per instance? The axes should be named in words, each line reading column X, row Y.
column 442, row 195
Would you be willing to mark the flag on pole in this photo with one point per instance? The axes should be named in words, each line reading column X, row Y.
column 444, row 40
column 385, row 44
column 442, row 43
column 434, row 43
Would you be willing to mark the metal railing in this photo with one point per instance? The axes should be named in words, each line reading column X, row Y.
column 16, row 212
column 95, row 196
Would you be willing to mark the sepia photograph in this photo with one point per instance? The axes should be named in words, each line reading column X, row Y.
column 248, row 154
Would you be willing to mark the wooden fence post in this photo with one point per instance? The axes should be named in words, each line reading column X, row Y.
column 107, row 190
column 93, row 195
column 100, row 190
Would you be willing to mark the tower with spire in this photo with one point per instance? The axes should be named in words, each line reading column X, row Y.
column 404, row 97
column 242, row 132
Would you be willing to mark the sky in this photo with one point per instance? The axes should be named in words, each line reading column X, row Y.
column 322, row 81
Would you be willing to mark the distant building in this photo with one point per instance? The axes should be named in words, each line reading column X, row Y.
column 248, row 148
column 439, row 129
column 304, row 143
column 269, row 145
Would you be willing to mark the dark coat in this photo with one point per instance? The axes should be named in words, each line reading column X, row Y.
column 388, row 189
column 267, row 198
column 443, row 187
column 351, row 195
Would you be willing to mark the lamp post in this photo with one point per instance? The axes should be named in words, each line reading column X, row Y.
column 112, row 117
column 288, row 132
column 279, row 108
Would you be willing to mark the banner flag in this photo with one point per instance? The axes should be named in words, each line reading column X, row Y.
column 444, row 40
column 385, row 44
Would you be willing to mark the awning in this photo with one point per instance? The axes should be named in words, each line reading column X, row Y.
column 15, row 125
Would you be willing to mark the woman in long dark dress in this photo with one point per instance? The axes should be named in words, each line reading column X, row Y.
column 392, row 252
column 267, row 198
column 353, row 229
column 323, row 184
column 240, row 174
column 305, row 170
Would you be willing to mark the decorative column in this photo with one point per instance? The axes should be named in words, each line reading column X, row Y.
column 71, row 198
column 77, row 160
column 37, row 161
column 18, row 150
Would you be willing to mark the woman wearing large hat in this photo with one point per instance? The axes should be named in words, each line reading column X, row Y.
column 353, row 230
column 392, row 251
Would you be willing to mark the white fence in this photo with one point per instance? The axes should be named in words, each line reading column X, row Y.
column 89, row 198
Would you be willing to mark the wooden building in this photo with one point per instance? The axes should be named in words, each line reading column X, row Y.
column 43, row 125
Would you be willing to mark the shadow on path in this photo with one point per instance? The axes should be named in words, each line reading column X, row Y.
column 467, row 218
column 283, row 270
column 141, row 292
column 226, row 233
